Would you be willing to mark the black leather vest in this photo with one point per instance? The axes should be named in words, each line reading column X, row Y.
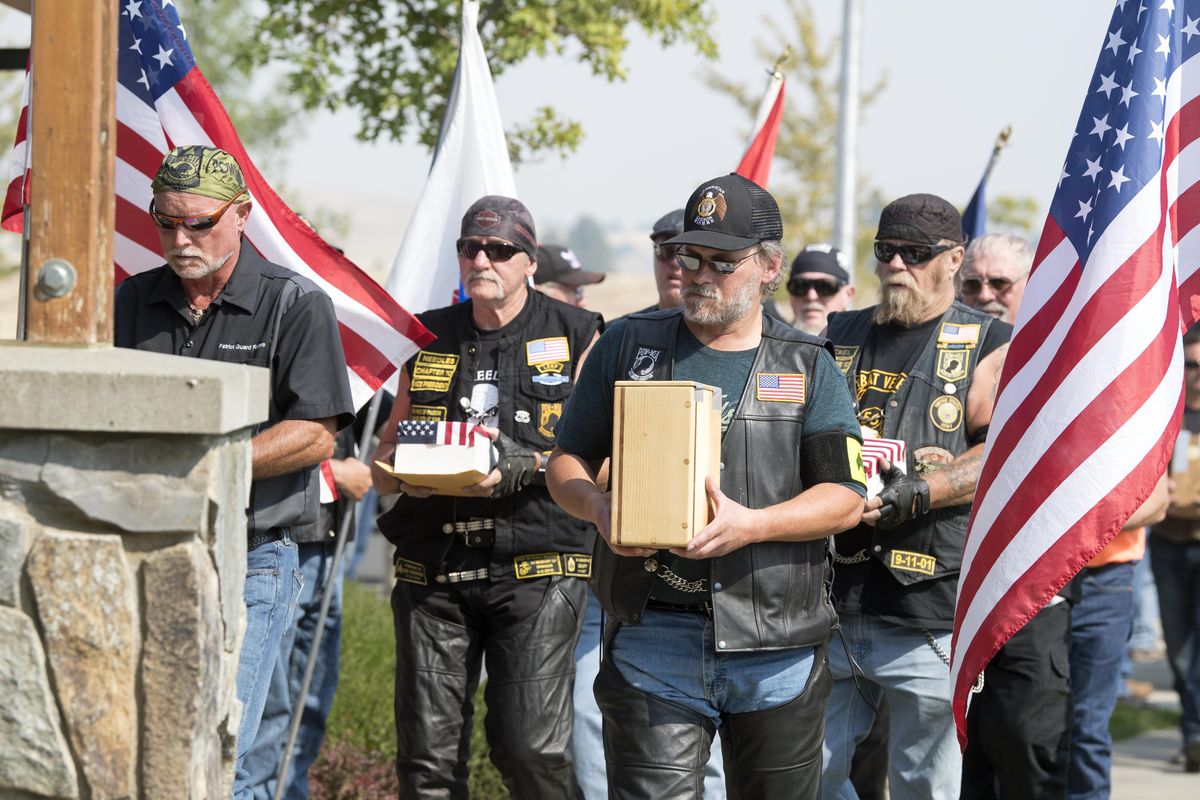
column 768, row 595
column 531, row 400
column 928, row 412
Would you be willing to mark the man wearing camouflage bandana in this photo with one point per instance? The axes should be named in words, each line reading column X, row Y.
column 216, row 298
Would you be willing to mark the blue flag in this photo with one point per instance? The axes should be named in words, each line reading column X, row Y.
column 974, row 218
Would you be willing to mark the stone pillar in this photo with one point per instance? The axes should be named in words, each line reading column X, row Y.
column 124, row 478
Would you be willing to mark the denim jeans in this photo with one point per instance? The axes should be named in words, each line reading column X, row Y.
column 262, row 762
column 897, row 662
column 587, row 739
column 1177, row 573
column 1101, row 623
column 272, row 585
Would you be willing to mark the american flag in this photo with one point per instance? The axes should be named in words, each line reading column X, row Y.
column 781, row 388
column 893, row 450
column 547, row 351
column 162, row 101
column 1091, row 391
column 760, row 149
column 423, row 431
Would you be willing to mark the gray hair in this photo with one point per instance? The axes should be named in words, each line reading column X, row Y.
column 1000, row 245
column 769, row 252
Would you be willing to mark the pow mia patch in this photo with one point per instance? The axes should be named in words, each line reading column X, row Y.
column 946, row 413
column 437, row 413
column 644, row 363
column 844, row 356
column 433, row 372
column 952, row 364
column 411, row 572
column 905, row 561
column 537, row 565
column 548, row 417
column 578, row 565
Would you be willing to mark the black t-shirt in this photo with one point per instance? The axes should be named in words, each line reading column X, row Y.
column 484, row 402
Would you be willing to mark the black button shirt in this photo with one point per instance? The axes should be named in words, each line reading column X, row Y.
column 266, row 316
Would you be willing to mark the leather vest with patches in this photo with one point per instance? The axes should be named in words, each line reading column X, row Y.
column 768, row 595
column 531, row 400
column 933, row 421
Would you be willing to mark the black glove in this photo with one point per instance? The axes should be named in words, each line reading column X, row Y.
column 517, row 466
column 904, row 497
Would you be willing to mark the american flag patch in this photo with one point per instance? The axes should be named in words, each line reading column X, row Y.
column 777, row 388
column 958, row 334
column 424, row 431
column 547, row 351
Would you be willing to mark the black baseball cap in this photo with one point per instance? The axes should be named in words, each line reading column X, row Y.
column 823, row 258
column 559, row 264
column 668, row 225
column 730, row 213
column 503, row 217
column 921, row 218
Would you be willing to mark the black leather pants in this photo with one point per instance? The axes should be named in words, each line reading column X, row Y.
column 656, row 750
column 530, row 673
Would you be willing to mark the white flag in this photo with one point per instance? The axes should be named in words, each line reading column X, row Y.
column 471, row 161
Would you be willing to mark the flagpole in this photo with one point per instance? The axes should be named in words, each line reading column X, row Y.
column 1001, row 142
column 844, row 212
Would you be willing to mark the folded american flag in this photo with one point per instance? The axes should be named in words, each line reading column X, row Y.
column 422, row 431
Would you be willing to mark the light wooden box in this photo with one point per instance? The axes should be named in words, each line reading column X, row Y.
column 666, row 441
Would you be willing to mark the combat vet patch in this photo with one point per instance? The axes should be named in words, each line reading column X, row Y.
column 858, row 470
column 774, row 387
column 644, row 363
column 958, row 336
column 537, row 565
column 844, row 356
column 548, row 351
column 436, row 413
column 912, row 562
column 548, row 417
column 577, row 565
column 433, row 372
column 550, row 373
column 946, row 413
column 411, row 572
column 952, row 364
column 878, row 380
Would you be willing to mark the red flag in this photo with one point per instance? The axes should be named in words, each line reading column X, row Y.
column 756, row 161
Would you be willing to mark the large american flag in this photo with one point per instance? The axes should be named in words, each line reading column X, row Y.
column 1091, row 392
column 163, row 101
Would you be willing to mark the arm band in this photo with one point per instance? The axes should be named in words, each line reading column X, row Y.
column 825, row 458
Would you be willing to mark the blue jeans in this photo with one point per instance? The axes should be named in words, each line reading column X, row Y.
column 272, row 585
column 262, row 762
column 1177, row 573
column 897, row 662
column 587, row 739
column 1100, row 627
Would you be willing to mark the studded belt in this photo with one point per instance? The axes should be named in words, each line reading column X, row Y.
column 462, row 577
column 259, row 538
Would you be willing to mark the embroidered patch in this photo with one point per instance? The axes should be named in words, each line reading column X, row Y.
column 411, row 572
column 578, row 565
column 550, row 379
column 427, row 412
column 879, row 381
column 952, row 364
column 962, row 335
column 547, row 351
column 548, row 416
column 844, row 356
column 912, row 562
column 858, row 470
column 712, row 203
column 433, row 372
column 521, row 416
column 537, row 565
column 780, row 387
column 946, row 413
column 931, row 458
column 643, row 363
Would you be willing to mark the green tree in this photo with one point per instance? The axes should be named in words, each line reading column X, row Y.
column 393, row 61
column 587, row 240
column 1013, row 214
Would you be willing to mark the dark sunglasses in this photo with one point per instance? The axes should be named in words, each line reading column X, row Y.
column 997, row 285
column 1191, row 364
column 666, row 252
column 693, row 263
column 910, row 254
column 495, row 251
column 800, row 287
column 199, row 222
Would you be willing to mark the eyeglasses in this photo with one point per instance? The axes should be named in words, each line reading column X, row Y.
column 997, row 285
column 495, row 251
column 1191, row 364
column 910, row 254
column 824, row 288
column 693, row 263
column 198, row 222
column 666, row 252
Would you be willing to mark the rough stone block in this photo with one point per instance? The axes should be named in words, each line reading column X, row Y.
column 229, row 493
column 86, row 605
column 33, row 753
column 17, row 531
column 181, row 673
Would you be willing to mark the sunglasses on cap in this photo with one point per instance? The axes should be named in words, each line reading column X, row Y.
column 974, row 286
column 910, row 254
column 196, row 222
column 496, row 252
column 666, row 252
column 693, row 263
column 823, row 288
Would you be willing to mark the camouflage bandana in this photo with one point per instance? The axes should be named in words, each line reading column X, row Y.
column 197, row 169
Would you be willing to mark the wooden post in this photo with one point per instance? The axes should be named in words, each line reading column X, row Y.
column 72, row 148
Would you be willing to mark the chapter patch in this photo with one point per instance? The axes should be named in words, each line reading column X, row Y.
column 912, row 562
column 537, row 565
column 952, row 364
column 644, row 363
column 774, row 387
column 547, row 351
column 433, row 372
column 844, row 356
column 946, row 413
column 427, row 412
column 578, row 565
column 959, row 335
column 411, row 572
column 548, row 416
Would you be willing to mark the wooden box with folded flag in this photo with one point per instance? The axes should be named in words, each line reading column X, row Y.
column 894, row 450
column 447, row 456
column 666, row 441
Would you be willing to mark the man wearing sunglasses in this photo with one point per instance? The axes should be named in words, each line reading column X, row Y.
column 216, row 298
column 496, row 577
column 819, row 284
column 730, row 630
column 924, row 370
column 994, row 274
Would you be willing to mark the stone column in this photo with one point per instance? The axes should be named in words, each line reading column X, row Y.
column 124, row 478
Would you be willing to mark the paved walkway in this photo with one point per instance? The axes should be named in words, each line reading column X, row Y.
column 1141, row 766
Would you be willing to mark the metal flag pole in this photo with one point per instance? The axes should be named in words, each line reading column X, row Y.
column 844, row 216
column 1001, row 142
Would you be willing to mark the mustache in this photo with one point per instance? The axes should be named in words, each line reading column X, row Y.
column 486, row 275
column 184, row 252
column 701, row 290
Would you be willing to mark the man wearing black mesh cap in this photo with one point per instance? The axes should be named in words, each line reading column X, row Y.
column 728, row 631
